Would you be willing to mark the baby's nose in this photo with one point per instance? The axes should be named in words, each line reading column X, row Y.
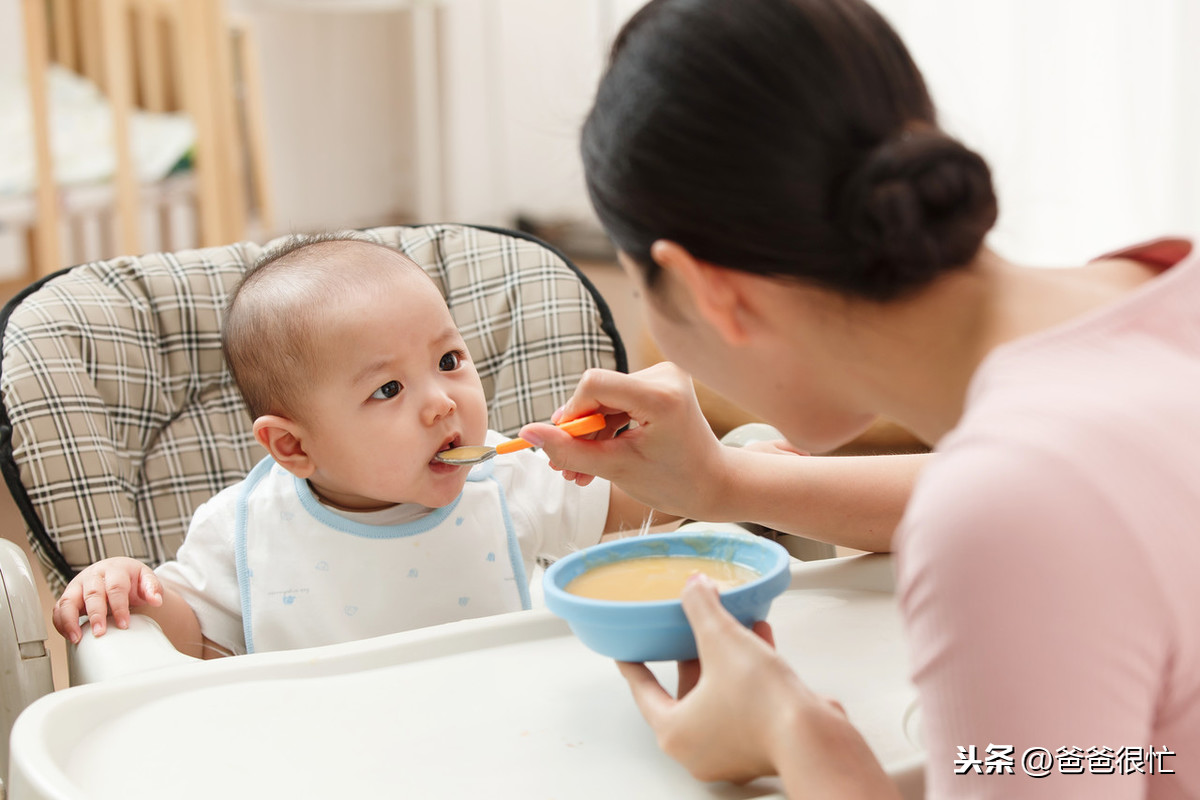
column 440, row 406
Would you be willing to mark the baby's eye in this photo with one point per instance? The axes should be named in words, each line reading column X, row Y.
column 450, row 361
column 387, row 391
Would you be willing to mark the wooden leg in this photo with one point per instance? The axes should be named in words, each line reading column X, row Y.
column 232, row 163
column 188, row 21
column 151, row 73
column 45, row 252
column 32, row 265
column 166, row 237
column 91, row 60
column 114, row 18
column 65, row 50
column 165, row 15
column 256, row 135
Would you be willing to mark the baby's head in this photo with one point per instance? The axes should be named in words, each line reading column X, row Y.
column 354, row 372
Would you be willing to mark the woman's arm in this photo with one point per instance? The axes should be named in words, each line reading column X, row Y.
column 853, row 501
column 671, row 460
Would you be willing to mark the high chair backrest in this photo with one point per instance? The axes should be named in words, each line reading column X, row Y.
column 119, row 417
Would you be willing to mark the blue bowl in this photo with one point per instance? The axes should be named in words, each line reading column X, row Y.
column 658, row 630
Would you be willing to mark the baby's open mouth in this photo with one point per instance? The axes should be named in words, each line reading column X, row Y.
column 449, row 444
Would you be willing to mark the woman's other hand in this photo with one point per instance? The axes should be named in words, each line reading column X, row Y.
column 662, row 460
column 716, row 727
column 741, row 712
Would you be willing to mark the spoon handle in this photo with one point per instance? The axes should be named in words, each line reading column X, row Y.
column 576, row 427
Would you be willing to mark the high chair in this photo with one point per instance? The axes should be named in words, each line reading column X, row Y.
column 24, row 658
column 119, row 418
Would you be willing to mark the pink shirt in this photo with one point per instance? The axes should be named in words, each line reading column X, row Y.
column 1049, row 561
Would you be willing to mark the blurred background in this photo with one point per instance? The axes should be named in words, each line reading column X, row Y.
column 362, row 112
column 130, row 126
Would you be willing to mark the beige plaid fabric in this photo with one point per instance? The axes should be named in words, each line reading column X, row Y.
column 119, row 417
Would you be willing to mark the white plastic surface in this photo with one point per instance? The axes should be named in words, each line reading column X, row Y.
column 25, row 673
column 21, row 599
column 509, row 706
column 118, row 653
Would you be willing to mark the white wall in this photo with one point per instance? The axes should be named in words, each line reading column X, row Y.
column 531, row 65
column 539, row 62
column 337, row 96
column 12, row 51
column 517, row 77
column 1088, row 112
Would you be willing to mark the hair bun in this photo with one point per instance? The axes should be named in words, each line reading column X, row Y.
column 919, row 204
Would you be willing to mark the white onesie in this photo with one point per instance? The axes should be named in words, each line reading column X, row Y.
column 266, row 566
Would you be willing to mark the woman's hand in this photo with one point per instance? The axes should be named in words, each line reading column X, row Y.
column 742, row 712
column 669, row 460
column 716, row 727
column 112, row 586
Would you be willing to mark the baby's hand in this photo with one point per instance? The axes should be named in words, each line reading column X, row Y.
column 114, row 586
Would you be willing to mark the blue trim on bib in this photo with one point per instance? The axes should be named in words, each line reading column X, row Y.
column 344, row 525
column 261, row 469
column 514, row 550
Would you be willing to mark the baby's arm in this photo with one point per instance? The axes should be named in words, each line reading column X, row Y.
column 114, row 585
column 119, row 586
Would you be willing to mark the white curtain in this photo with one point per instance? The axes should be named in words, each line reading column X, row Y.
column 1087, row 110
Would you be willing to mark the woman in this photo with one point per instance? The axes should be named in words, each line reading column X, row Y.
column 809, row 243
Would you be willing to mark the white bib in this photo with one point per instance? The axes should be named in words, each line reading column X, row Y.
column 308, row 576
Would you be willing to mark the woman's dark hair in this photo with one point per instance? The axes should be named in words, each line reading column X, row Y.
column 792, row 138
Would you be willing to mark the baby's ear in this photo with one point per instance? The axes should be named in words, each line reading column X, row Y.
column 284, row 440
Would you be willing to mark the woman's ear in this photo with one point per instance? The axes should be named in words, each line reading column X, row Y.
column 718, row 293
column 284, row 441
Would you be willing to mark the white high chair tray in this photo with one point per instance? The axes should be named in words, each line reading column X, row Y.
column 508, row 706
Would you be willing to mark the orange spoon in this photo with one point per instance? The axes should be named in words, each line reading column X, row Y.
column 475, row 453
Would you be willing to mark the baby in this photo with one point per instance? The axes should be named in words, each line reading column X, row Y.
column 356, row 377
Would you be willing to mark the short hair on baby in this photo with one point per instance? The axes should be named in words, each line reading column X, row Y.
column 275, row 317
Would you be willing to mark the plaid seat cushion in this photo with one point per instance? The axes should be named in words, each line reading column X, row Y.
column 119, row 417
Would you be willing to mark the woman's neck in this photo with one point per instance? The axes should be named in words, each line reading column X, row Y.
column 925, row 350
